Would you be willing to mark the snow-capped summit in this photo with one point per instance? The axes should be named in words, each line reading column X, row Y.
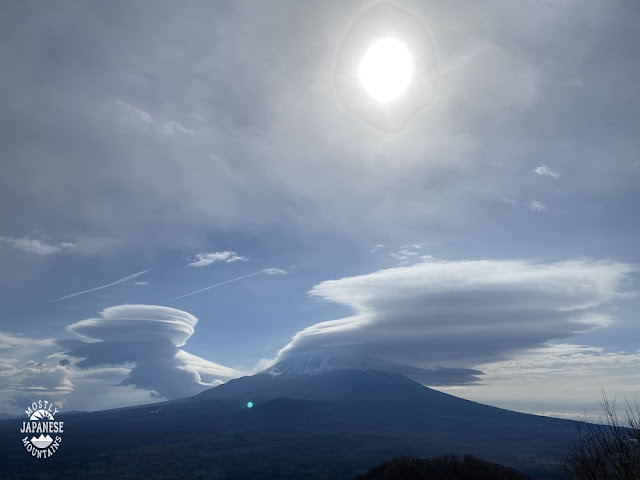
column 322, row 365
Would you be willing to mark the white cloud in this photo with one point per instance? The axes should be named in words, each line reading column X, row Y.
column 25, row 344
column 26, row 370
column 137, row 323
column 140, row 284
column 117, row 282
column 172, row 127
column 536, row 206
column 508, row 201
column 409, row 253
column 544, row 170
column 203, row 259
column 461, row 314
column 274, row 271
column 137, row 113
column 149, row 336
column 567, row 379
column 38, row 247
column 144, row 119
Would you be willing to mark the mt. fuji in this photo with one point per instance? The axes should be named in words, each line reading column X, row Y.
column 311, row 418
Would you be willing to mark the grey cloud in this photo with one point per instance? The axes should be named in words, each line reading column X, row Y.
column 263, row 86
column 22, row 401
column 460, row 314
column 441, row 376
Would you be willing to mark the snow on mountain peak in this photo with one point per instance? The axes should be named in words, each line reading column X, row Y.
column 320, row 365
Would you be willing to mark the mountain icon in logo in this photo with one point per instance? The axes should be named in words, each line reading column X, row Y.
column 41, row 441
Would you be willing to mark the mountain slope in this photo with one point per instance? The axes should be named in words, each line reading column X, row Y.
column 385, row 396
column 327, row 425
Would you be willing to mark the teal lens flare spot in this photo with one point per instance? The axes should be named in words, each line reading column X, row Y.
column 249, row 404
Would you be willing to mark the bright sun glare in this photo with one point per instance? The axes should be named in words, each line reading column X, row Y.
column 386, row 70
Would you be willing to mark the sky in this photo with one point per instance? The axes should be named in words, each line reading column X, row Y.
column 192, row 192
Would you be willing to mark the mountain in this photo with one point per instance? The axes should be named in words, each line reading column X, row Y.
column 368, row 395
column 42, row 441
column 316, row 419
column 7, row 416
column 321, row 365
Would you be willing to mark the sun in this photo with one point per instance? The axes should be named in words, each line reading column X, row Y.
column 386, row 70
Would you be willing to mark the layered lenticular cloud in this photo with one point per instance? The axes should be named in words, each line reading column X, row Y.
column 131, row 323
column 461, row 314
column 149, row 337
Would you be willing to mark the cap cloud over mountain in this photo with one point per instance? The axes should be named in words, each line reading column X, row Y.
column 301, row 365
column 442, row 318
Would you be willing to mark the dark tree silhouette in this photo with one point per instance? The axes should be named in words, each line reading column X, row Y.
column 609, row 450
column 447, row 467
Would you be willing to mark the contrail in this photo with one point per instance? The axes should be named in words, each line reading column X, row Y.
column 122, row 280
column 268, row 271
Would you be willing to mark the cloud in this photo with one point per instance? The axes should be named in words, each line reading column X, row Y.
column 135, row 112
column 440, row 376
column 37, row 246
column 140, row 284
column 536, row 206
column 266, row 271
column 544, row 170
column 274, row 271
column 143, row 119
column 26, row 371
column 508, row 201
column 410, row 253
column 141, row 323
column 461, row 314
column 117, row 282
column 149, row 337
column 172, row 127
column 204, row 259
column 282, row 159
column 563, row 359
column 507, row 383
column 377, row 247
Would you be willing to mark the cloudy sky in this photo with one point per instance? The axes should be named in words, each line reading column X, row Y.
column 190, row 192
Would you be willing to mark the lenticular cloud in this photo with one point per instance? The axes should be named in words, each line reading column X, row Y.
column 461, row 314
column 145, row 323
column 148, row 336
